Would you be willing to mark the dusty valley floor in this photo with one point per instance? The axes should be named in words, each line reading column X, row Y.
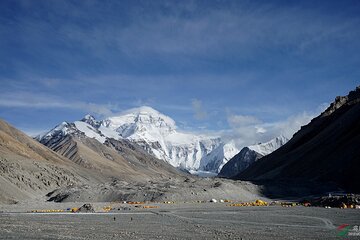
column 175, row 221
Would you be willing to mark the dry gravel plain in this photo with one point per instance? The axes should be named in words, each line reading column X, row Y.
column 175, row 221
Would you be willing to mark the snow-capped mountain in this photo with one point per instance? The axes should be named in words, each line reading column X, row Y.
column 248, row 155
column 215, row 160
column 270, row 146
column 155, row 133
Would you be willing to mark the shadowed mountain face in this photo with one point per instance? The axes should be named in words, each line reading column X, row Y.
column 239, row 162
column 249, row 155
column 325, row 150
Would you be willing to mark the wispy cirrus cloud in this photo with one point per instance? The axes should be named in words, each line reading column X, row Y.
column 213, row 31
column 173, row 29
column 30, row 100
column 249, row 56
column 242, row 121
column 199, row 111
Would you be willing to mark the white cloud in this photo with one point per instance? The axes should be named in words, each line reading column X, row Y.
column 50, row 82
column 29, row 100
column 248, row 130
column 244, row 129
column 200, row 113
column 242, row 121
column 213, row 32
column 289, row 126
column 260, row 129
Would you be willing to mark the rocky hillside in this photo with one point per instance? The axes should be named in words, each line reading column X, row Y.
column 29, row 169
column 325, row 150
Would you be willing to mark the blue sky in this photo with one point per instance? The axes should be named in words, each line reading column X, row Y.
column 210, row 65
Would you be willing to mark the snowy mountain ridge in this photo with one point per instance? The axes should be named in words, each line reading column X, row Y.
column 157, row 134
column 250, row 154
column 270, row 146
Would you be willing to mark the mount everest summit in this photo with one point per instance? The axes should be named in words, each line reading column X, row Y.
column 158, row 135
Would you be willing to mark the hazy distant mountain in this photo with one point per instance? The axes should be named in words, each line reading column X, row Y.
column 325, row 150
column 156, row 133
column 248, row 155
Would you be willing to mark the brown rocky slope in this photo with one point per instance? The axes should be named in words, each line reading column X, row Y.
column 83, row 169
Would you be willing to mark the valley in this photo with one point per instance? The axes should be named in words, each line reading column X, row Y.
column 135, row 170
column 191, row 119
column 178, row 221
